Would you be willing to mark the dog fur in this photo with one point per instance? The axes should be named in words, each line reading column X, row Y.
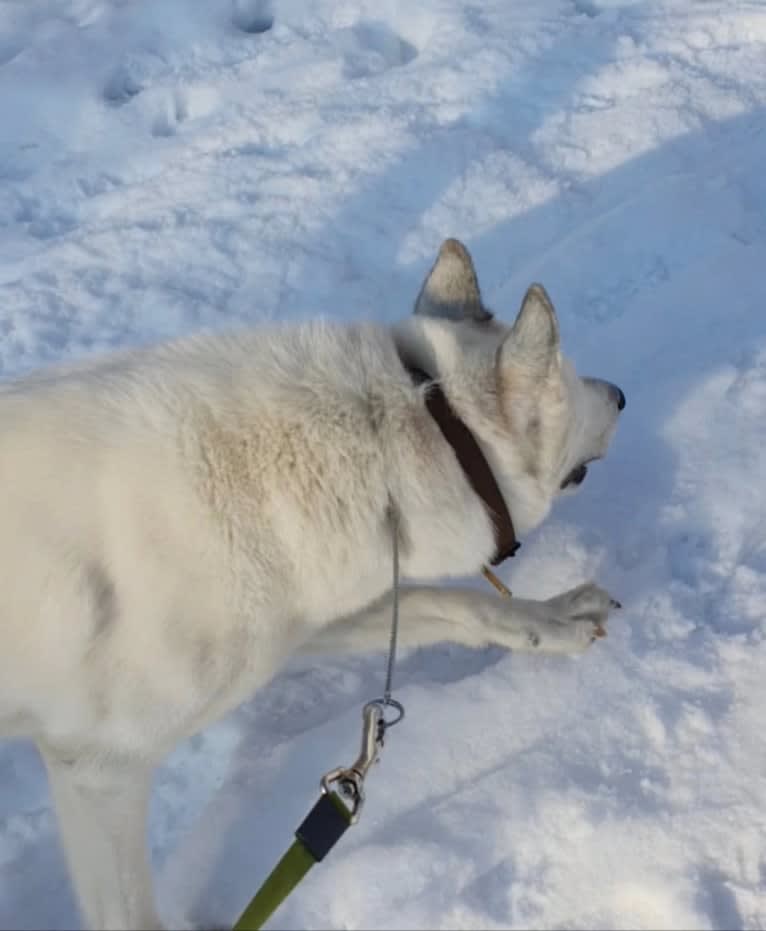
column 177, row 521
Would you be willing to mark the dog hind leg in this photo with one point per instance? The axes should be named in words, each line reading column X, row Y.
column 101, row 806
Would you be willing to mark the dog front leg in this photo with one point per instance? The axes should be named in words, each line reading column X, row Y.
column 568, row 623
column 102, row 809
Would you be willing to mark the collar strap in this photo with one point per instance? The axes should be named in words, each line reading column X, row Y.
column 473, row 463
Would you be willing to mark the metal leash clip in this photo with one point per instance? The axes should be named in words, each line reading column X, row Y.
column 384, row 703
column 351, row 780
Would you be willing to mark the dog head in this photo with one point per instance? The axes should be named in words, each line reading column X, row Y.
column 539, row 422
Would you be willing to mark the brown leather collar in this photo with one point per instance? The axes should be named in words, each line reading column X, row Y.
column 472, row 461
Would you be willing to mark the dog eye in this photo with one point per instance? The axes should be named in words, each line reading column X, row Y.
column 575, row 477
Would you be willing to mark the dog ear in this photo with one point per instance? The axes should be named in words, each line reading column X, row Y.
column 534, row 336
column 451, row 289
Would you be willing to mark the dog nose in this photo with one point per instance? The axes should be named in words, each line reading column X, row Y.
column 607, row 389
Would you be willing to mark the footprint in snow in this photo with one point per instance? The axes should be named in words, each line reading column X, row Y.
column 586, row 8
column 372, row 47
column 9, row 51
column 174, row 111
column 253, row 16
column 690, row 556
column 121, row 86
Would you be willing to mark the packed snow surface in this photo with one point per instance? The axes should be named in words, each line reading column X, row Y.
column 167, row 165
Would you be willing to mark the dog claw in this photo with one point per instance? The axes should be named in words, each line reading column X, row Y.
column 599, row 631
column 614, row 604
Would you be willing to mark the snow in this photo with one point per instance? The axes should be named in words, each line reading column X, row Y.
column 167, row 165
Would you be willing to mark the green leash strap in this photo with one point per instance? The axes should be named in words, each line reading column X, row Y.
column 329, row 819
column 320, row 831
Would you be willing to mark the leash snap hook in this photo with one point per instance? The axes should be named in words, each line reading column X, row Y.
column 350, row 780
column 384, row 704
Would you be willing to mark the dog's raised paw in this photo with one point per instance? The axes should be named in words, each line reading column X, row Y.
column 585, row 602
column 585, row 610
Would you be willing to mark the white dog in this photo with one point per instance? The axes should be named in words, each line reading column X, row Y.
column 177, row 521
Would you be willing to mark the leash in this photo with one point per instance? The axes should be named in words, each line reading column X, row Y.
column 342, row 789
column 387, row 701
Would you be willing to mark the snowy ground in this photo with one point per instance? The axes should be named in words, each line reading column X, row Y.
column 168, row 164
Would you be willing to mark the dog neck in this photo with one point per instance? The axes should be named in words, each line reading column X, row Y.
column 472, row 461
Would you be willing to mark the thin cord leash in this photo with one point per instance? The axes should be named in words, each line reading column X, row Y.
column 339, row 808
column 342, row 796
column 394, row 611
column 387, row 701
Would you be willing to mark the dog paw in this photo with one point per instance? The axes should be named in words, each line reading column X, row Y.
column 585, row 610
